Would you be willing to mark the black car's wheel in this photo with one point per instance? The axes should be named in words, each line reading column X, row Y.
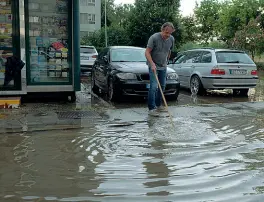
column 112, row 93
column 240, row 92
column 196, row 86
column 94, row 87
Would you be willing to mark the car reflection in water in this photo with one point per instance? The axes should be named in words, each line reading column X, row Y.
column 122, row 70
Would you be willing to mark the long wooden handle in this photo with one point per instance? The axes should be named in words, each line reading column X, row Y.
column 164, row 100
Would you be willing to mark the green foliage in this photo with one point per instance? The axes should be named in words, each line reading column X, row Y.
column 235, row 15
column 189, row 45
column 231, row 21
column 189, row 29
column 207, row 15
column 250, row 38
column 134, row 24
column 116, row 15
column 218, row 44
column 147, row 17
column 122, row 13
column 192, row 45
column 260, row 65
column 110, row 9
column 116, row 36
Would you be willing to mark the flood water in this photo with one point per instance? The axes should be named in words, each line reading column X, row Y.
column 206, row 156
column 211, row 154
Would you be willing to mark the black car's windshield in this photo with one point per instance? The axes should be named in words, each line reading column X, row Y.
column 128, row 55
column 233, row 57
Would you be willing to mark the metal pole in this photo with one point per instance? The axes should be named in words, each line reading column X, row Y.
column 105, row 27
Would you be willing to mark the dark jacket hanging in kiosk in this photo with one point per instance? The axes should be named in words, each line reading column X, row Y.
column 13, row 67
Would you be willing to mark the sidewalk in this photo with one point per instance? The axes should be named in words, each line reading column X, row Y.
column 90, row 109
column 45, row 116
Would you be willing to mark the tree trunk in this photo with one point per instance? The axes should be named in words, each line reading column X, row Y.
column 253, row 55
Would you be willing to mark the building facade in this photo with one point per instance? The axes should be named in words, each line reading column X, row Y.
column 90, row 16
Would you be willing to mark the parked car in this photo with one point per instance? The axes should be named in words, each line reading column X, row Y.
column 122, row 70
column 208, row 68
column 88, row 55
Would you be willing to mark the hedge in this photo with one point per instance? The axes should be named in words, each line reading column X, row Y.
column 260, row 65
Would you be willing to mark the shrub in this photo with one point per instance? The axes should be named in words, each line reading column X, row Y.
column 189, row 45
column 260, row 65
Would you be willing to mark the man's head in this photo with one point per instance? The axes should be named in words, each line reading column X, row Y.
column 166, row 30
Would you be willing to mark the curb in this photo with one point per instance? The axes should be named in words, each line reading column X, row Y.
column 105, row 103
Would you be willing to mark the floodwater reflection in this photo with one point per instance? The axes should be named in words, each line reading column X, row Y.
column 204, row 158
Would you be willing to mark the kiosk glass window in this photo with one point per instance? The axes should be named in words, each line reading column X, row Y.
column 48, row 41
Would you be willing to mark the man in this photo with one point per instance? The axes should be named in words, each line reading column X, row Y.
column 157, row 53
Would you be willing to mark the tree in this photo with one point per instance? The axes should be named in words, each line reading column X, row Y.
column 147, row 16
column 116, row 36
column 115, row 14
column 236, row 14
column 250, row 38
column 110, row 12
column 207, row 15
column 122, row 13
column 189, row 29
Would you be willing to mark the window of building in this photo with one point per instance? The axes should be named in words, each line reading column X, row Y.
column 87, row 2
column 87, row 18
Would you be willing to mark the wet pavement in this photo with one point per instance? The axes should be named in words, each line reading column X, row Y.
column 102, row 151
column 212, row 97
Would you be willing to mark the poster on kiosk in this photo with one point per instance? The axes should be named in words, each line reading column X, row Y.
column 45, row 36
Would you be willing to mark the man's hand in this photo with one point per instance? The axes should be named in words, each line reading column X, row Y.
column 153, row 67
column 149, row 58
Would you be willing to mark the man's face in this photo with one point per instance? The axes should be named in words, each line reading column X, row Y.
column 166, row 32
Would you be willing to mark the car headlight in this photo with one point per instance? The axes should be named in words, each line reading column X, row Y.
column 126, row 76
column 172, row 76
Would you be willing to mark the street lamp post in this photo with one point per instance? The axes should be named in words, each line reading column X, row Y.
column 105, row 27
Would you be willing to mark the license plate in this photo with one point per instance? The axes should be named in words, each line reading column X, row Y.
column 238, row 71
column 84, row 58
column 147, row 85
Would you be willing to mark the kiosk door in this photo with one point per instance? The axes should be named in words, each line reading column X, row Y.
column 9, row 44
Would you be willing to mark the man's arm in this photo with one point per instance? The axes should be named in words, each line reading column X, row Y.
column 149, row 48
column 170, row 49
column 148, row 55
column 169, row 55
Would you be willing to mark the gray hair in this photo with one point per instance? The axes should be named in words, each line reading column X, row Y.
column 167, row 24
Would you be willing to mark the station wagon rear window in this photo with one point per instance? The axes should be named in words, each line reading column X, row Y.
column 233, row 57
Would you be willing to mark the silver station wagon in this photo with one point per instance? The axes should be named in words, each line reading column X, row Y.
column 208, row 68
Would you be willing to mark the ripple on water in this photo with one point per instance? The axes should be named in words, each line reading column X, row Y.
column 198, row 160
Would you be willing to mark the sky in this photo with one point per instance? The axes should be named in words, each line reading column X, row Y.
column 186, row 8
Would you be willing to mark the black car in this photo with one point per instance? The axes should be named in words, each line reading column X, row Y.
column 122, row 70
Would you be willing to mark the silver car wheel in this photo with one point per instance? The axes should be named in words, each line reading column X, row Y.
column 195, row 85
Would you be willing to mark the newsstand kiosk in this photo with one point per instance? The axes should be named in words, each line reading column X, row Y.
column 44, row 34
